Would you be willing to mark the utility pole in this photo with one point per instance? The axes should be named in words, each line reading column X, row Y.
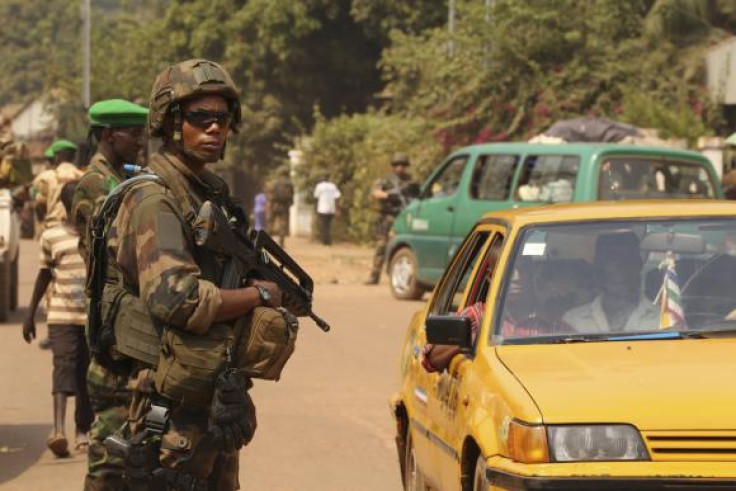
column 487, row 17
column 450, row 27
column 86, row 51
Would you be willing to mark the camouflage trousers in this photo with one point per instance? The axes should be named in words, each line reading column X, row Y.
column 110, row 397
column 380, row 235
column 279, row 224
column 183, row 446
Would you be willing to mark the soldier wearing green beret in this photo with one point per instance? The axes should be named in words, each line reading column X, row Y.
column 118, row 128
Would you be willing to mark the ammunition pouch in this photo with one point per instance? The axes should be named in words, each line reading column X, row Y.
column 190, row 363
column 105, row 349
column 259, row 345
column 266, row 338
column 136, row 334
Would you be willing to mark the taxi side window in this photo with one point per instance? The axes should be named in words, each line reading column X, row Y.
column 482, row 282
column 548, row 179
column 492, row 177
column 448, row 180
column 449, row 298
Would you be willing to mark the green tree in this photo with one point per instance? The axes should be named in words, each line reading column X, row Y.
column 38, row 47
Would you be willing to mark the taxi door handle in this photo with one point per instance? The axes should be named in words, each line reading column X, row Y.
column 450, row 208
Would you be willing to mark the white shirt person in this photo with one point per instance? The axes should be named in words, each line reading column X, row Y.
column 326, row 193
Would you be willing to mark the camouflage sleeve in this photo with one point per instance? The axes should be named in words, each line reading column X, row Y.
column 90, row 193
column 154, row 253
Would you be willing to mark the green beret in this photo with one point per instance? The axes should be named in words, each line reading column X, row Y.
column 60, row 145
column 117, row 113
column 49, row 153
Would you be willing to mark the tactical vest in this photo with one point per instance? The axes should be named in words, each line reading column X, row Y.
column 187, row 364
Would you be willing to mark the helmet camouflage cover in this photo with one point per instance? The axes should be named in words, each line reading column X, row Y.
column 187, row 80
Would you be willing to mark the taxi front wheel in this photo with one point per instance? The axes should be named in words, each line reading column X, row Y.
column 413, row 478
column 480, row 481
column 402, row 275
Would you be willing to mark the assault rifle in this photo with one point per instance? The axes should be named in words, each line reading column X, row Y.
column 254, row 255
column 401, row 194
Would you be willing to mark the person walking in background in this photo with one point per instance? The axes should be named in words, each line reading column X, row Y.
column 259, row 211
column 63, row 268
column 279, row 202
column 326, row 193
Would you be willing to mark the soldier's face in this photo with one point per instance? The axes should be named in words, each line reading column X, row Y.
column 205, row 127
column 400, row 169
column 127, row 142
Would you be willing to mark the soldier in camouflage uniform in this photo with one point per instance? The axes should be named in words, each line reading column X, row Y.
column 392, row 193
column 194, row 106
column 281, row 197
column 118, row 127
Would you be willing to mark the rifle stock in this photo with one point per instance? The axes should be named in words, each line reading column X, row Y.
column 255, row 256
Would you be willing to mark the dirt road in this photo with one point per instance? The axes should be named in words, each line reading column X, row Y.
column 325, row 426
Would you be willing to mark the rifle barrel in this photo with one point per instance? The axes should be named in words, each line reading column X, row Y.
column 319, row 321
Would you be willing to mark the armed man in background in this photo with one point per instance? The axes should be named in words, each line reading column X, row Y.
column 185, row 430
column 280, row 199
column 118, row 129
column 392, row 193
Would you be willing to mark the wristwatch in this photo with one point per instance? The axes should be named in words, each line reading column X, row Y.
column 263, row 294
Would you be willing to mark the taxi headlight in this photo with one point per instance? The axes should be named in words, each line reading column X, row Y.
column 579, row 443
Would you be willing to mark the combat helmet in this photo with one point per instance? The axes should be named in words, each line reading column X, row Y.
column 400, row 158
column 187, row 80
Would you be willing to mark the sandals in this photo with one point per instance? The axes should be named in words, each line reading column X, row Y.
column 58, row 445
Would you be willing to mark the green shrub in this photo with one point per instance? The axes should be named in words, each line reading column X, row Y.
column 355, row 151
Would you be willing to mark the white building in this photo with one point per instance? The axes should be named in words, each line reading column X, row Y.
column 34, row 120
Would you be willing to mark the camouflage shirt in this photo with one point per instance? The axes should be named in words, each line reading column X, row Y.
column 100, row 178
column 396, row 186
column 151, row 243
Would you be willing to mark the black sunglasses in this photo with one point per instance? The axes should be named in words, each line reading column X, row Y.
column 205, row 119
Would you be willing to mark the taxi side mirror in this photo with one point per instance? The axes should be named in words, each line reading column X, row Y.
column 450, row 330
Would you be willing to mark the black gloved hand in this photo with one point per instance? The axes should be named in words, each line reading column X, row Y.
column 232, row 417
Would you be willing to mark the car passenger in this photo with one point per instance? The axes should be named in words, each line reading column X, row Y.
column 622, row 305
column 555, row 287
column 527, row 317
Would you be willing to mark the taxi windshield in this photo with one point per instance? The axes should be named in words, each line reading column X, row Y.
column 616, row 279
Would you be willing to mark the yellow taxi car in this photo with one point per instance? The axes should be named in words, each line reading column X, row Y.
column 587, row 346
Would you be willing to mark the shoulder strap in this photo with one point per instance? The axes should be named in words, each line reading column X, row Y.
column 111, row 205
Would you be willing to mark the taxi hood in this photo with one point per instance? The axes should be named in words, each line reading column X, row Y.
column 679, row 384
